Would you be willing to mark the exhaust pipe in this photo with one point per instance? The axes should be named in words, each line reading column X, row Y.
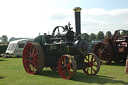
column 77, row 22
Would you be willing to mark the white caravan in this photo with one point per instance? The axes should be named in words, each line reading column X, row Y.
column 15, row 48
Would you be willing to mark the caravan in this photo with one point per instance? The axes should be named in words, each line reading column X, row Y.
column 15, row 48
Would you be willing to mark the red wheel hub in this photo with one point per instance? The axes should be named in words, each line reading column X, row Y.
column 90, row 64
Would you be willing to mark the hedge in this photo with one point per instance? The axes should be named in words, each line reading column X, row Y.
column 3, row 48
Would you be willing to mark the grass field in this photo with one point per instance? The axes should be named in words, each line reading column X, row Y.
column 13, row 73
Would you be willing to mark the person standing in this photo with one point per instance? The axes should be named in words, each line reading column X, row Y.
column 126, row 66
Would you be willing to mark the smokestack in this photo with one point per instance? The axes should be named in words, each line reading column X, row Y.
column 77, row 22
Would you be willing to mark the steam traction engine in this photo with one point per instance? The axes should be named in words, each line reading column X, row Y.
column 64, row 52
column 113, row 48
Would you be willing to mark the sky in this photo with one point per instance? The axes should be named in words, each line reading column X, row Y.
column 29, row 18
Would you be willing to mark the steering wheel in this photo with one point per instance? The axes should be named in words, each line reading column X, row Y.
column 57, row 28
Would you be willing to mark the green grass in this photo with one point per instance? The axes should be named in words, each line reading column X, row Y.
column 13, row 73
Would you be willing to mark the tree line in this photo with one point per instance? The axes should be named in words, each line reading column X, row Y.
column 99, row 37
column 86, row 36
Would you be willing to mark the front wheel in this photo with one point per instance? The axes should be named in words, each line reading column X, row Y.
column 67, row 67
column 93, row 64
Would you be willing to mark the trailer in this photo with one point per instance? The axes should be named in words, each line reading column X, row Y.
column 15, row 48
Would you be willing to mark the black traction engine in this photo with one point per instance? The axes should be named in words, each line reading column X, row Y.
column 63, row 51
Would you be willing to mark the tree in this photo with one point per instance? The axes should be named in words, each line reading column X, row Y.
column 108, row 34
column 124, row 32
column 4, row 38
column 92, row 37
column 85, row 36
column 100, row 35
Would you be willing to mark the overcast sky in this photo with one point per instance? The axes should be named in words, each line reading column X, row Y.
column 28, row 18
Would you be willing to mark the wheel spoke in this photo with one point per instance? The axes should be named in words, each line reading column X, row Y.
column 105, row 58
column 64, row 72
column 27, row 51
column 69, row 73
column 35, row 65
column 33, row 51
column 94, row 65
column 36, row 60
column 87, row 69
column 64, row 61
column 29, row 68
column 105, row 51
column 104, row 48
column 27, row 60
column 88, row 58
column 92, row 69
column 33, row 68
column 35, row 54
column 91, row 59
column 30, row 46
column 69, row 65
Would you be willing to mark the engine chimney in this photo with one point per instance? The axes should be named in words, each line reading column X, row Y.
column 77, row 22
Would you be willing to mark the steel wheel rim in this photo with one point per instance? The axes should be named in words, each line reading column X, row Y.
column 67, row 67
column 104, row 52
column 93, row 64
column 32, row 59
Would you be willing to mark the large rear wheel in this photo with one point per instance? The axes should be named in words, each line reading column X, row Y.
column 104, row 52
column 33, row 58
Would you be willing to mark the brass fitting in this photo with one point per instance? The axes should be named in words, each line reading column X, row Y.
column 77, row 9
